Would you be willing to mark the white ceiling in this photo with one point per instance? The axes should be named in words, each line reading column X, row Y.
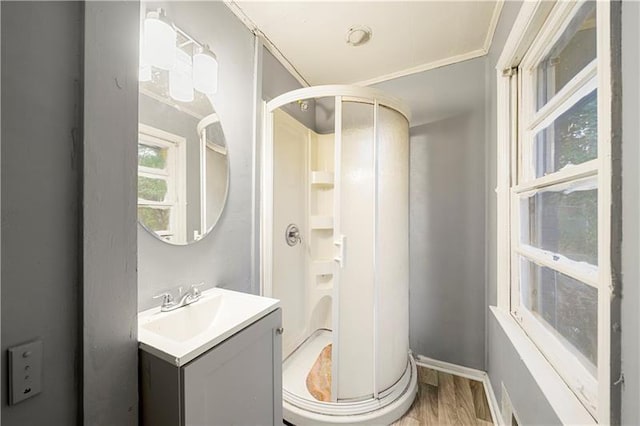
column 408, row 37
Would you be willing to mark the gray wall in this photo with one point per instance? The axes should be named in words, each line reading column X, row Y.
column 631, row 211
column 447, row 240
column 224, row 257
column 109, row 317
column 276, row 80
column 506, row 368
column 40, row 180
column 447, row 211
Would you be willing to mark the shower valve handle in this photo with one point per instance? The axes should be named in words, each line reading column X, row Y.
column 341, row 243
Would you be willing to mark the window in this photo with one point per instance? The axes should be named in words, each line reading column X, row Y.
column 554, row 191
column 160, row 179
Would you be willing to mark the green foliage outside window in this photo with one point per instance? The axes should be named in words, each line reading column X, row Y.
column 154, row 218
column 151, row 189
column 151, row 156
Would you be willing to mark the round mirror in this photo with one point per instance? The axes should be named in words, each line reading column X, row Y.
column 183, row 167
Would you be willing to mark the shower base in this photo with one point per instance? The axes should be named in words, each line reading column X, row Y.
column 301, row 408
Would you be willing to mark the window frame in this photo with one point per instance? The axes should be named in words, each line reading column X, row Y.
column 535, row 31
column 175, row 176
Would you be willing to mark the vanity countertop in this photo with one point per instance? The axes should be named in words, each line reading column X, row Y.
column 184, row 334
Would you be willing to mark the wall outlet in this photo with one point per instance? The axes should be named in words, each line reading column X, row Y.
column 25, row 371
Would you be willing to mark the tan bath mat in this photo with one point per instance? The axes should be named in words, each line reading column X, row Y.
column 319, row 378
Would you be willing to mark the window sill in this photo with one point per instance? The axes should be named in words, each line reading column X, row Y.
column 563, row 401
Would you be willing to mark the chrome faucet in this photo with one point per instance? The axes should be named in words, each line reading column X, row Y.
column 191, row 296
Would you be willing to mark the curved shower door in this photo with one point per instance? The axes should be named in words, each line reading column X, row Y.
column 355, row 238
column 372, row 239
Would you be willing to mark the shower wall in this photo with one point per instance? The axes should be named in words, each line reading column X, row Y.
column 289, row 206
column 302, row 195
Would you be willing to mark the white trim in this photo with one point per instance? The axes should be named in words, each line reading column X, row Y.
column 207, row 121
column 493, row 24
column 174, row 174
column 605, row 131
column 424, row 67
column 376, row 254
column 447, row 367
column 257, row 136
column 562, row 176
column 585, row 273
column 202, row 147
column 468, row 373
column 575, row 89
column 266, row 230
column 338, row 241
column 564, row 402
column 355, row 93
column 530, row 18
column 220, row 149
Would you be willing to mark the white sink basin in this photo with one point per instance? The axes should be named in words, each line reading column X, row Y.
column 180, row 336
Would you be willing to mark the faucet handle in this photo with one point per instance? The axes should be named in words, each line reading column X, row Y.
column 167, row 298
column 195, row 287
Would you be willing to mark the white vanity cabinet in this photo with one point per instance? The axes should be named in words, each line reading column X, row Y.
column 237, row 382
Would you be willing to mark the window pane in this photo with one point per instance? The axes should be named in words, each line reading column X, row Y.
column 152, row 156
column 575, row 49
column 151, row 189
column 564, row 220
column 571, row 139
column 156, row 219
column 565, row 305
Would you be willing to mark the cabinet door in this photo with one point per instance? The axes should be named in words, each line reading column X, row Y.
column 238, row 382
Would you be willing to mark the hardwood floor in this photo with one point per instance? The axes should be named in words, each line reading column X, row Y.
column 446, row 399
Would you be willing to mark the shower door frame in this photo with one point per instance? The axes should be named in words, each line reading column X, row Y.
column 340, row 93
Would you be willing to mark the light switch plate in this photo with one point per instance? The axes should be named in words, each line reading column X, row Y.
column 25, row 371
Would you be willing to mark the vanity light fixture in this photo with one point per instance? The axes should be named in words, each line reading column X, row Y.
column 159, row 40
column 181, row 78
column 205, row 71
column 164, row 46
column 144, row 72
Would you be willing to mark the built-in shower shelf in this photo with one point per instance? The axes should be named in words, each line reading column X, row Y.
column 322, row 178
column 321, row 222
column 323, row 267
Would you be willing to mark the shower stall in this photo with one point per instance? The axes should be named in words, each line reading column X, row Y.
column 335, row 252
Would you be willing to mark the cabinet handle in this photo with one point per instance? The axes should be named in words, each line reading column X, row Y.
column 279, row 330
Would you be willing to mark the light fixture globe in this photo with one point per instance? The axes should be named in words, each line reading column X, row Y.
column 205, row 72
column 180, row 78
column 159, row 41
column 144, row 71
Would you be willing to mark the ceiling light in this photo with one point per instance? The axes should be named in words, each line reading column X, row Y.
column 205, row 71
column 180, row 78
column 358, row 35
column 159, row 41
